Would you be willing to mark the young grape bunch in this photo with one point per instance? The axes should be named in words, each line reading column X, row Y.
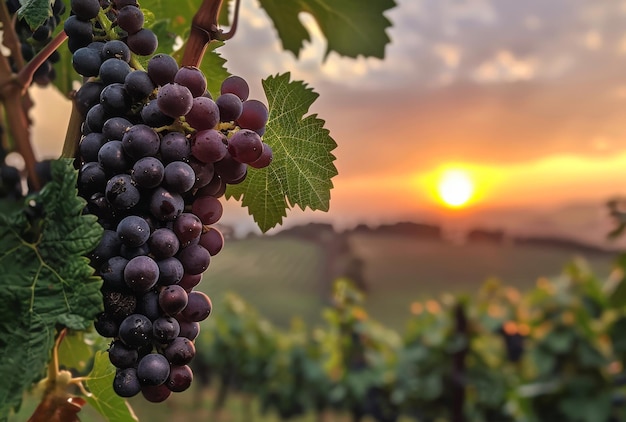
column 155, row 155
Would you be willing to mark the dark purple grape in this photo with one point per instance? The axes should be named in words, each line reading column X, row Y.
column 112, row 273
column 138, row 84
column 174, row 100
column 208, row 208
column 204, row 114
column 204, row 172
column 143, row 42
column 81, row 32
column 189, row 329
column 180, row 351
column 216, row 187
column 115, row 99
column 245, row 146
column 166, row 205
column 189, row 281
column 165, row 329
column 88, row 96
column 133, row 231
column 172, row 299
column 153, row 369
column 192, row 78
column 115, row 127
column 141, row 273
column 170, row 271
column 198, row 307
column 95, row 118
column 130, row 19
column 235, row 85
column 195, row 259
column 148, row 172
column 141, row 141
column 126, row 383
column 230, row 170
column 175, row 146
column 155, row 393
column 86, row 61
column 230, row 107
column 153, row 117
column 121, row 355
column 114, row 70
column 254, row 115
column 121, row 192
column 212, row 240
column 85, row 9
column 91, row 179
column 162, row 69
column 108, row 247
column 106, row 325
column 209, row 145
column 136, row 330
column 179, row 177
column 265, row 159
column 187, row 227
column 163, row 243
column 130, row 252
column 180, row 378
column 112, row 158
column 148, row 305
column 115, row 49
column 90, row 145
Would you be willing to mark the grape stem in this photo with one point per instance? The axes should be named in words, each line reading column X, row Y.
column 25, row 75
column 204, row 29
column 9, row 38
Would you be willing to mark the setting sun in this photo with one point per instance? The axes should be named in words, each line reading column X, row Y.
column 455, row 188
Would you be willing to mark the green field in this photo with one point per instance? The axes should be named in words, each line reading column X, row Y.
column 283, row 276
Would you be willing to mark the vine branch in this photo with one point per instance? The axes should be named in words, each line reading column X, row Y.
column 203, row 30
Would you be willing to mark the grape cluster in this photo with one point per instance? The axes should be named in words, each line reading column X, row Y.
column 155, row 156
column 34, row 40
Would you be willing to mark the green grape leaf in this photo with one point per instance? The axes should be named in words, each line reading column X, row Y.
column 65, row 73
column 177, row 14
column 351, row 27
column 100, row 384
column 302, row 168
column 75, row 352
column 35, row 12
column 46, row 279
column 213, row 68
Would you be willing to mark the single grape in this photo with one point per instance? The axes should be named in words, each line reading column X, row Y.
column 141, row 273
column 138, row 84
column 95, row 118
column 126, row 383
column 179, row 177
column 91, row 179
column 130, row 252
column 112, row 158
column 230, row 107
column 235, row 85
column 174, row 100
column 175, row 146
column 195, row 259
column 230, row 170
column 204, row 114
column 189, row 281
column 208, row 209
column 143, row 42
column 85, row 9
column 133, row 231
column 216, row 187
column 130, row 19
column 148, row 172
column 192, row 78
column 166, row 205
column 153, row 369
column 81, row 32
column 163, row 243
column 141, row 141
column 245, row 146
column 189, row 329
column 115, row 49
column 115, row 99
column 254, row 115
column 212, row 240
column 114, row 70
column 148, row 305
column 170, row 271
column 265, row 159
column 165, row 329
column 180, row 351
column 112, row 272
column 115, row 127
column 86, row 61
column 136, row 330
column 162, row 69
column 209, row 145
column 153, row 117
column 198, row 307
column 187, row 227
column 172, row 299
column 121, row 355
column 121, row 192
column 108, row 247
column 155, row 393
column 88, row 95
column 180, row 378
column 204, row 172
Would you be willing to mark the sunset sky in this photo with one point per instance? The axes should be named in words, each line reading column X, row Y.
column 528, row 97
